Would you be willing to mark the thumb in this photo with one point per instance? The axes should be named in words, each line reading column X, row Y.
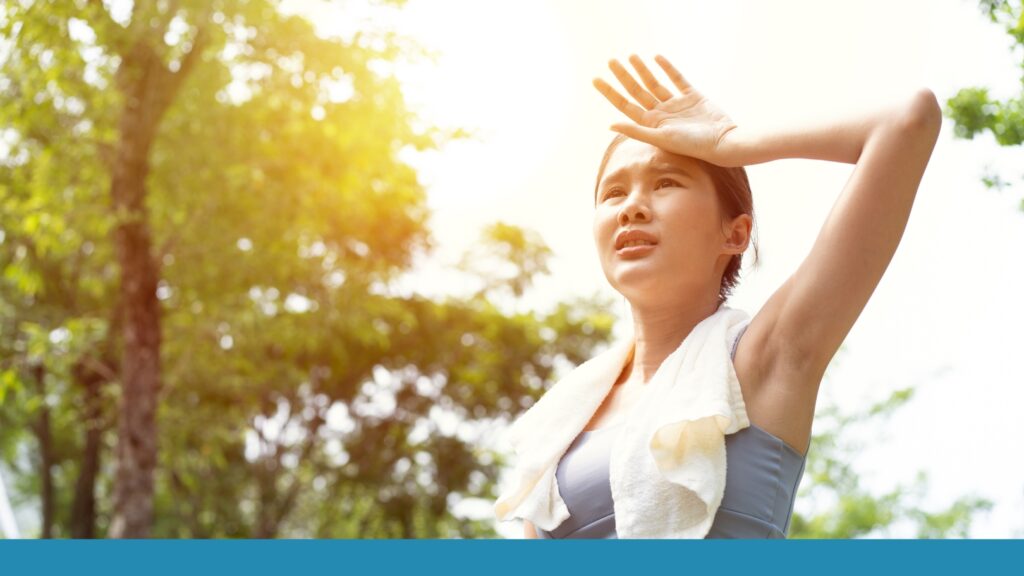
column 638, row 132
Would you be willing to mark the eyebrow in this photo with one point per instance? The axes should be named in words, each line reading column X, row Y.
column 659, row 168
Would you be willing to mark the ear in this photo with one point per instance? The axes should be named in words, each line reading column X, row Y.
column 737, row 234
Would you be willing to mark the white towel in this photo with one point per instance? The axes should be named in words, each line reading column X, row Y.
column 667, row 467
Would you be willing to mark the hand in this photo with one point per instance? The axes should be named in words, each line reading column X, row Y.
column 688, row 124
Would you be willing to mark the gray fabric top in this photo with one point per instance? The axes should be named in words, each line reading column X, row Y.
column 762, row 476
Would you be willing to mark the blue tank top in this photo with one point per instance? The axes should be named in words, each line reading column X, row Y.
column 763, row 473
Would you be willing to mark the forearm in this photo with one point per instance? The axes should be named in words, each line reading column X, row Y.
column 840, row 139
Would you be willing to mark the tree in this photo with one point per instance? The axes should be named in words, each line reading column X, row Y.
column 973, row 111
column 220, row 248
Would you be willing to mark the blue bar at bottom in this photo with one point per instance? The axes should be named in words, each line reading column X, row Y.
column 518, row 557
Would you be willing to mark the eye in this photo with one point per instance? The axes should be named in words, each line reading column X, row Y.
column 612, row 192
column 669, row 180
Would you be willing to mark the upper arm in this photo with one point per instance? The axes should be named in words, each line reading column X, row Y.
column 806, row 320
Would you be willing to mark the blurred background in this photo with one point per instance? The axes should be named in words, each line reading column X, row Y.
column 289, row 269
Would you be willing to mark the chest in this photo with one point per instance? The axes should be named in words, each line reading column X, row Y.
column 622, row 398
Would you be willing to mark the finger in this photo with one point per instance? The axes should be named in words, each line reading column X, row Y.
column 642, row 96
column 642, row 133
column 634, row 112
column 659, row 91
column 673, row 74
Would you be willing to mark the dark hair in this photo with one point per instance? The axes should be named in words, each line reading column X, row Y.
column 734, row 196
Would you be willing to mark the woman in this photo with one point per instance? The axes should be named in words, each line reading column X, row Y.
column 673, row 215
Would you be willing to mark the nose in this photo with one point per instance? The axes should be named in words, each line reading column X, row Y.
column 634, row 209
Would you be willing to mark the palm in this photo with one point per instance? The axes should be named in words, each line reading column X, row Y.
column 690, row 120
column 687, row 124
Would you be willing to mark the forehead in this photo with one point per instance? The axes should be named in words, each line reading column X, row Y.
column 634, row 157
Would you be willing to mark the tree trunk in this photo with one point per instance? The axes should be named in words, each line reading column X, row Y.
column 140, row 365
column 45, row 438
column 83, row 507
column 148, row 87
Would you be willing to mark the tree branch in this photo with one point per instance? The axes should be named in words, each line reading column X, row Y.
column 118, row 38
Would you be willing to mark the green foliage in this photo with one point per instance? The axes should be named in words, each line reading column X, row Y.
column 974, row 111
column 303, row 393
column 844, row 508
column 508, row 258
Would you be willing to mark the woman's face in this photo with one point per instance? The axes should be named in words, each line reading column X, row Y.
column 658, row 225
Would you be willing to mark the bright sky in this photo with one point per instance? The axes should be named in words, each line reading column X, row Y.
column 945, row 318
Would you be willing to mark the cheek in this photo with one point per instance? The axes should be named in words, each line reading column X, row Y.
column 687, row 228
column 693, row 214
column 604, row 227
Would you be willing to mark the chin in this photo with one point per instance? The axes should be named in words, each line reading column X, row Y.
column 636, row 282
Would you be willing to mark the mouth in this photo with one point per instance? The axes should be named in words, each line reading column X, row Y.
column 634, row 244
column 635, row 249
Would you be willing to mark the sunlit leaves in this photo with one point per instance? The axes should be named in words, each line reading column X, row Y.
column 281, row 214
column 972, row 109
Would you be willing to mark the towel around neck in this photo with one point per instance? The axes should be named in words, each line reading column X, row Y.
column 667, row 467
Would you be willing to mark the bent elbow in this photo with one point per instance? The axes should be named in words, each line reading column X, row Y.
column 923, row 112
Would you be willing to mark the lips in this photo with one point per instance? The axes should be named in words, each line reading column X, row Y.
column 633, row 239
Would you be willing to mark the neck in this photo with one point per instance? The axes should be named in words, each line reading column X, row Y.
column 660, row 329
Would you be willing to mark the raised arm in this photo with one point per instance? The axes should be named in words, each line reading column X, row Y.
column 808, row 317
